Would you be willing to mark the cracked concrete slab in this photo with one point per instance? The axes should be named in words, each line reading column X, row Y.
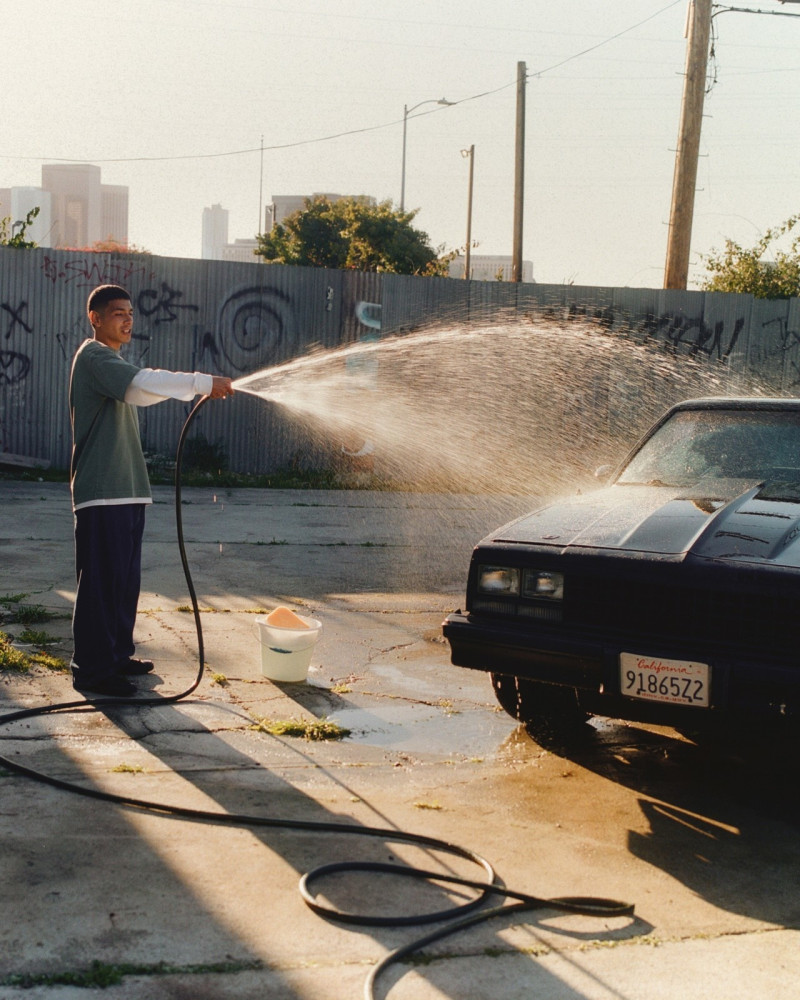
column 703, row 840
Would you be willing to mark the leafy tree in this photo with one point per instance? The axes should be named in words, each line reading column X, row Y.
column 350, row 234
column 8, row 238
column 738, row 269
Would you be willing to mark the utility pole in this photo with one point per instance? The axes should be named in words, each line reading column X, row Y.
column 519, row 175
column 261, row 216
column 468, row 249
column 676, row 271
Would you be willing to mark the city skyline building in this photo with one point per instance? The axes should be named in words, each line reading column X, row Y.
column 215, row 232
column 242, row 250
column 76, row 203
column 76, row 208
column 114, row 212
column 84, row 211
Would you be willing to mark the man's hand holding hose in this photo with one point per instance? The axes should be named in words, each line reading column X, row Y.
column 221, row 388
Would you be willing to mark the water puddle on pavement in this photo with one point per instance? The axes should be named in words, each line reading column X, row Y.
column 424, row 705
column 427, row 729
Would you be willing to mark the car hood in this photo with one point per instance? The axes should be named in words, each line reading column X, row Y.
column 735, row 519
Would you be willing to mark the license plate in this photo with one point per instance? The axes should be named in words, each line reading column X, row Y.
column 676, row 682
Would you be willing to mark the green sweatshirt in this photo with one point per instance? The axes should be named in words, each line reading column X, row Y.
column 107, row 465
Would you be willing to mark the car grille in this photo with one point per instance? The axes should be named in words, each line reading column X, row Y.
column 549, row 612
column 767, row 622
column 764, row 623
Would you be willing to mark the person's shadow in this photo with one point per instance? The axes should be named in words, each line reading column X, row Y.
column 259, row 782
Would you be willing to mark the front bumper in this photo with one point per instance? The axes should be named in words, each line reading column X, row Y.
column 741, row 684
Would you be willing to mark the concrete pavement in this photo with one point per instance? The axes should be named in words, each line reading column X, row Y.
column 179, row 909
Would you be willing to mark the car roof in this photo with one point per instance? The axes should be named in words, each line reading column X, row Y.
column 738, row 403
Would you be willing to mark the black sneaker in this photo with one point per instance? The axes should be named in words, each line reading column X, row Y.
column 115, row 687
column 133, row 668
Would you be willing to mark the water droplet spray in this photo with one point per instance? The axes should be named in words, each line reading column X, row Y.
column 515, row 407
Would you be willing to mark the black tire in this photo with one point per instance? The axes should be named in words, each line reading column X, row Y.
column 549, row 707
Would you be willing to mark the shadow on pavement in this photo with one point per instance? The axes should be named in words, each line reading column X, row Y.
column 721, row 816
column 183, row 873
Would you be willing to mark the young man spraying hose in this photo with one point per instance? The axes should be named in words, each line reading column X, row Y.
column 111, row 488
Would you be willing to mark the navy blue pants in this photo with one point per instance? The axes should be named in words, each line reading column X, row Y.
column 108, row 566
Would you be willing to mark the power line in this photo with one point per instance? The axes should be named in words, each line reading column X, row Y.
column 613, row 38
column 258, row 149
column 339, row 135
column 719, row 9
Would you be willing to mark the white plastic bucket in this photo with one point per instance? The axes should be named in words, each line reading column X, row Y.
column 286, row 652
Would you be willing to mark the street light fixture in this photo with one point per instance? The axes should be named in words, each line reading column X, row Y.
column 406, row 112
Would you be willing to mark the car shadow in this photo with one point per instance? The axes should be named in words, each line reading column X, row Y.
column 723, row 813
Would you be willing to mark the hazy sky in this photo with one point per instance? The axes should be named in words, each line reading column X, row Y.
column 156, row 91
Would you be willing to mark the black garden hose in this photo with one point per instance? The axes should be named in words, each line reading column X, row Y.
column 453, row 919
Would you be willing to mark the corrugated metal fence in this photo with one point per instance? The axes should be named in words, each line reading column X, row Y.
column 237, row 318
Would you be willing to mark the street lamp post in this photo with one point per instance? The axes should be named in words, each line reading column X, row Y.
column 406, row 112
column 467, row 251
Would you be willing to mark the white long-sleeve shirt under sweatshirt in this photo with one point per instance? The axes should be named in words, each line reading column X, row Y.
column 154, row 385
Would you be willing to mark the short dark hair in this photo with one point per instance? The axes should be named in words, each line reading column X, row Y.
column 104, row 294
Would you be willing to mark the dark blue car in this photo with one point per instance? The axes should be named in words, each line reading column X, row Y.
column 671, row 596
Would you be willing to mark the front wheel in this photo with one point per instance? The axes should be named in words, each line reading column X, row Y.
column 550, row 707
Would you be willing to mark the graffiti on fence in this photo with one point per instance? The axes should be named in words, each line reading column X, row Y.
column 163, row 303
column 694, row 335
column 603, row 315
column 254, row 328
column 691, row 335
column 87, row 272
column 788, row 341
column 68, row 340
column 14, row 364
column 15, row 312
column 205, row 346
column 14, row 367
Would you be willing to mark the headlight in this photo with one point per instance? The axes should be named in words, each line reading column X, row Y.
column 543, row 583
column 498, row 580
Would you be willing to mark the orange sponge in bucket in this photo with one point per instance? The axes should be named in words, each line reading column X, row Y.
column 287, row 642
column 285, row 618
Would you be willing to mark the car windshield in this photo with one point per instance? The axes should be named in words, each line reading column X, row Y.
column 718, row 444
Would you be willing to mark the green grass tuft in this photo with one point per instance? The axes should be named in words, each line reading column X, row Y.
column 313, row 729
column 11, row 659
column 100, row 975
column 37, row 637
column 50, row 662
column 17, row 661
column 97, row 976
column 6, row 599
column 28, row 614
